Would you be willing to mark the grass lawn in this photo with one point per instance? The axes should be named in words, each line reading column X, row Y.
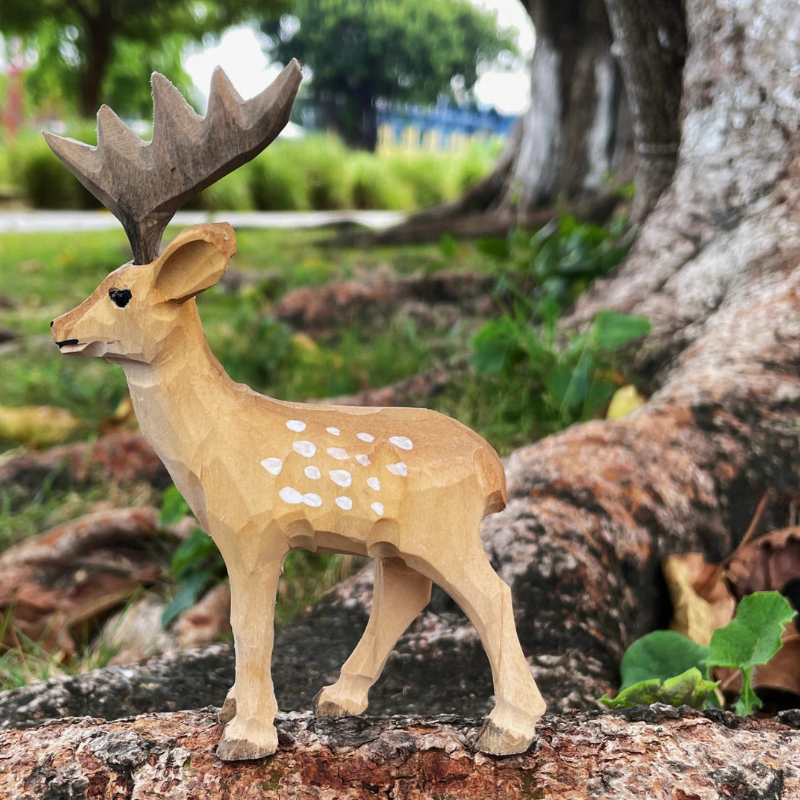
column 44, row 275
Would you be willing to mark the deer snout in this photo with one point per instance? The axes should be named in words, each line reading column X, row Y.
column 62, row 336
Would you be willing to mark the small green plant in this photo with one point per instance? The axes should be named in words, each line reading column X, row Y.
column 752, row 637
column 667, row 667
column 195, row 565
column 689, row 688
column 555, row 384
column 558, row 262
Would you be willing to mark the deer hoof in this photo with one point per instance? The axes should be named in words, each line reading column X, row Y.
column 329, row 703
column 245, row 745
column 501, row 741
column 228, row 710
column 507, row 730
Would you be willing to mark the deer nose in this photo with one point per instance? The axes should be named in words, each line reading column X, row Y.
column 51, row 322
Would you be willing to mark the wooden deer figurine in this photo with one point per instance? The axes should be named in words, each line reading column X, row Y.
column 407, row 487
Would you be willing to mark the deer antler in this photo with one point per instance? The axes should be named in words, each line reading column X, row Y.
column 144, row 183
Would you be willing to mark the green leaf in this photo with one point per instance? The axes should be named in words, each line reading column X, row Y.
column 496, row 248
column 689, row 688
column 173, row 507
column 448, row 245
column 493, row 346
column 597, row 396
column 612, row 330
column 187, row 595
column 753, row 636
column 661, row 655
column 192, row 551
column 569, row 386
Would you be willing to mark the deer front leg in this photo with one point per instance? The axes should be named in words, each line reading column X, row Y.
column 251, row 733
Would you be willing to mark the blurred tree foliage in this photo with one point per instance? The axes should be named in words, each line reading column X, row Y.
column 94, row 51
column 364, row 50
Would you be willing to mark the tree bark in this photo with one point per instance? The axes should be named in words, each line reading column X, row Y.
column 577, row 129
column 568, row 139
column 99, row 31
column 633, row 753
column 572, row 137
column 121, row 457
column 651, row 40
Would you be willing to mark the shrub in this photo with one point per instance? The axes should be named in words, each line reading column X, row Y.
column 43, row 179
column 376, row 185
column 232, row 193
column 275, row 184
column 324, row 159
column 315, row 173
column 432, row 177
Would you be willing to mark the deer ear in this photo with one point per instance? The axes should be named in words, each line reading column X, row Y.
column 194, row 260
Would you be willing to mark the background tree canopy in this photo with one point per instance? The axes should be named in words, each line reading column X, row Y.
column 361, row 50
column 104, row 50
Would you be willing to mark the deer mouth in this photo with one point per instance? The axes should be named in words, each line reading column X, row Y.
column 68, row 346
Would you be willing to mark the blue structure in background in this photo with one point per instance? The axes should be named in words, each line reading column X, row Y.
column 412, row 128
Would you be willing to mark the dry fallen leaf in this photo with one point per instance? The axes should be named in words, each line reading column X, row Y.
column 123, row 418
column 700, row 599
column 625, row 401
column 769, row 562
column 37, row 425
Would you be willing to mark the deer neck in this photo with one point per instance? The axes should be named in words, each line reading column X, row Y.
column 182, row 397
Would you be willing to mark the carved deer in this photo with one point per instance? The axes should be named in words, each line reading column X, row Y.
column 407, row 487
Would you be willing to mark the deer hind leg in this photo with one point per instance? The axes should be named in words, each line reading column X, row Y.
column 400, row 594
column 486, row 599
column 228, row 710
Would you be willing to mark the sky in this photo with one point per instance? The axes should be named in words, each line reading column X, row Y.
column 239, row 53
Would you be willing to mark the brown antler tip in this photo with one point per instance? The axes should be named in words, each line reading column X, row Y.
column 112, row 132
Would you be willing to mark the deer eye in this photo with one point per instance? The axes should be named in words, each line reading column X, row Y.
column 120, row 297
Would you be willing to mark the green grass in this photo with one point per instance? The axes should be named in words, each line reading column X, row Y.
column 45, row 275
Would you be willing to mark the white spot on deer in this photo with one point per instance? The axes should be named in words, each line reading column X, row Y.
column 344, row 502
column 403, row 442
column 338, row 453
column 296, row 425
column 374, row 483
column 273, row 465
column 377, row 508
column 365, row 437
column 313, row 500
column 313, row 473
column 305, row 448
column 333, row 431
column 341, row 477
column 398, row 469
column 363, row 460
column 291, row 496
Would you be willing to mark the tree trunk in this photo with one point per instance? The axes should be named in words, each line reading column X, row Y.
column 99, row 33
column 577, row 130
column 568, row 141
column 651, row 40
column 641, row 753
column 574, row 134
